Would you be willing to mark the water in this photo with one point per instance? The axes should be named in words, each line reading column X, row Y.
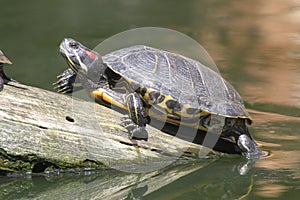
column 256, row 45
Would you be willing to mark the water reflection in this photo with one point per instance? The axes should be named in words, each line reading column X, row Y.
column 261, row 39
column 278, row 134
column 182, row 180
column 270, row 189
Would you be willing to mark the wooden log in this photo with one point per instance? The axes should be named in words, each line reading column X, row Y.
column 40, row 128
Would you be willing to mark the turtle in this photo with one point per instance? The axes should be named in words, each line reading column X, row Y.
column 3, row 78
column 142, row 80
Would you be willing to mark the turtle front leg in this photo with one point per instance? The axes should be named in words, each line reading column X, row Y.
column 138, row 117
column 68, row 82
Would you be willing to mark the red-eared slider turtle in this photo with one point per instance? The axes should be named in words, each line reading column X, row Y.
column 3, row 78
column 140, row 78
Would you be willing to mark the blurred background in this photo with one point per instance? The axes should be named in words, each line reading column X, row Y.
column 250, row 42
column 255, row 44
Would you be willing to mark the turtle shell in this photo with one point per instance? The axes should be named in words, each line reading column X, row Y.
column 184, row 80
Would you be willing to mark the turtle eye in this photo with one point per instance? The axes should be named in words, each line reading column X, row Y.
column 73, row 45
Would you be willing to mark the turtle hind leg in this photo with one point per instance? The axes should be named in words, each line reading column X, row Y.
column 137, row 119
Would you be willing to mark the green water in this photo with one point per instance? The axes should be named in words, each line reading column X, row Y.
column 255, row 44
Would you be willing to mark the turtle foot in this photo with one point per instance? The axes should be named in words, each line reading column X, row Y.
column 136, row 132
column 67, row 82
column 139, row 133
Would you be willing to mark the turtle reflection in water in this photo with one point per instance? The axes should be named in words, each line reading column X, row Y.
column 140, row 78
column 3, row 78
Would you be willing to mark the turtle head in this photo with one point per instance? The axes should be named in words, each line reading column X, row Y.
column 82, row 59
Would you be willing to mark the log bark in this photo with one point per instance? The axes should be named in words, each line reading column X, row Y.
column 40, row 128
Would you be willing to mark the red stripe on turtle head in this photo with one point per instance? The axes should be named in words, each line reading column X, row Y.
column 91, row 54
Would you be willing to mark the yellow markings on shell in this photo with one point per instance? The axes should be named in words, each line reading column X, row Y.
column 146, row 96
column 163, row 106
column 176, row 122
column 165, row 113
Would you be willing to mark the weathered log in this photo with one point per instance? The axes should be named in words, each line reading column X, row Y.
column 40, row 128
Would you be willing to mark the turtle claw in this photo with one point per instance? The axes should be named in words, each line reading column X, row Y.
column 67, row 82
column 248, row 147
column 62, row 86
column 135, row 131
column 126, row 121
column 64, row 90
column 139, row 133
